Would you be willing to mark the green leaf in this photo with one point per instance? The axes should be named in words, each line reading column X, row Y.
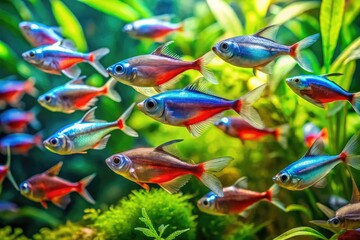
column 337, row 64
column 176, row 234
column 69, row 24
column 140, row 8
column 146, row 232
column 226, row 17
column 331, row 16
column 300, row 208
column 300, row 231
column 115, row 8
column 162, row 229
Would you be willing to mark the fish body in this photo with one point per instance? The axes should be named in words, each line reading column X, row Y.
column 48, row 186
column 20, row 143
column 153, row 28
column 39, row 34
column 195, row 109
column 61, row 58
column 88, row 133
column 236, row 199
column 311, row 133
column 6, row 206
column 160, row 69
column 12, row 91
column 319, row 90
column 313, row 167
column 14, row 120
column 75, row 95
column 259, row 50
column 157, row 165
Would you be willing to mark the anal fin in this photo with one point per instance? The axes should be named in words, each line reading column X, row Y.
column 174, row 185
column 267, row 68
column 102, row 143
column 199, row 128
column 62, row 201
column 321, row 183
column 147, row 91
column 72, row 72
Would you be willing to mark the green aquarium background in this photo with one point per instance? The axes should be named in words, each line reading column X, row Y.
column 93, row 24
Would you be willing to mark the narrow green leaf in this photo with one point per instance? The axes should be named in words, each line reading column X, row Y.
column 115, row 8
column 162, row 229
column 146, row 232
column 226, row 17
column 300, row 231
column 69, row 24
column 345, row 55
column 300, row 208
column 140, row 7
column 331, row 17
column 176, row 234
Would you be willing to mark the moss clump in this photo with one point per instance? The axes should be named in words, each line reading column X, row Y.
column 69, row 231
column 163, row 208
column 7, row 233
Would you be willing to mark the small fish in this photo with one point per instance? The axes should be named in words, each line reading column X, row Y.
column 311, row 133
column 239, row 128
column 196, row 110
column 5, row 172
column 15, row 120
column 319, row 90
column 258, row 51
column 152, row 28
column 6, row 206
column 350, row 235
column 12, row 91
column 88, row 133
column 155, row 72
column 61, row 58
column 160, row 166
column 237, row 199
column 39, row 34
column 20, row 143
column 75, row 95
column 47, row 186
column 313, row 167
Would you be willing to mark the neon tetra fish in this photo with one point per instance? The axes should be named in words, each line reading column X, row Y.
column 158, row 165
column 12, row 91
column 61, row 58
column 319, row 90
column 237, row 199
column 196, row 110
column 88, row 133
column 152, row 73
column 48, row 186
column 312, row 168
column 259, row 50
column 20, row 143
column 311, row 133
column 5, row 172
column 15, row 120
column 75, row 95
column 239, row 128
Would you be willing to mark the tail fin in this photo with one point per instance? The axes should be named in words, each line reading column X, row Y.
column 94, row 58
column 350, row 154
column 271, row 195
column 121, row 123
column 9, row 175
column 32, row 115
column 38, row 140
column 281, row 133
column 82, row 188
column 110, row 91
column 30, row 88
column 208, row 179
column 355, row 101
column 244, row 107
column 201, row 66
column 295, row 51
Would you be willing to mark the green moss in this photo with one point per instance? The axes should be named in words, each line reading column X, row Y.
column 163, row 208
column 7, row 233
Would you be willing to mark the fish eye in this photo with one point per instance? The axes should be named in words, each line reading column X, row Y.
column 119, row 69
column 150, row 104
column 32, row 54
column 224, row 46
column 116, row 160
column 205, row 203
column 24, row 187
column 284, row 177
column 53, row 141
column 47, row 98
column 335, row 222
column 296, row 80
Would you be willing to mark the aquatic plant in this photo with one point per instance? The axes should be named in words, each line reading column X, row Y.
column 8, row 233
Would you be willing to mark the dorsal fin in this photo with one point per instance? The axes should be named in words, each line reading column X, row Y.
column 241, row 183
column 89, row 116
column 332, row 75
column 164, row 51
column 168, row 147
column 327, row 211
column 316, row 149
column 198, row 86
column 67, row 43
column 268, row 32
column 78, row 81
column 163, row 17
column 54, row 171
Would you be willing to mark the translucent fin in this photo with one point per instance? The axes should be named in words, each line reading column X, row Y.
column 34, row 123
column 110, row 91
column 355, row 198
column 54, row 171
column 174, row 185
column 281, row 133
column 332, row 75
column 268, row 32
column 321, row 183
column 199, row 128
column 168, row 147
column 202, row 62
column 89, row 104
column 121, row 122
column 44, row 204
column 94, row 58
column 295, row 51
column 213, row 183
column 169, row 84
column 82, row 188
column 78, row 81
column 199, row 85
column 29, row 86
column 144, row 185
column 216, row 165
column 67, row 43
column 146, row 91
column 273, row 192
column 356, row 102
column 241, row 183
column 72, row 72
column 267, row 68
column 351, row 151
column 61, row 202
column 327, row 211
column 102, row 143
column 9, row 174
column 316, row 149
column 89, row 116
column 164, row 51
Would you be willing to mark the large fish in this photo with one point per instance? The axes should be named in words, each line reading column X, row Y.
column 152, row 73
column 5, row 171
column 239, row 128
column 237, row 199
column 20, row 143
column 160, row 166
column 196, row 110
column 15, row 120
column 60, row 58
column 312, row 168
column 258, row 51
column 75, row 95
column 88, row 133
column 319, row 90
column 11, row 91
column 47, row 186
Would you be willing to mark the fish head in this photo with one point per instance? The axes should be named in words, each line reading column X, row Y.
column 298, row 83
column 58, row 143
column 119, row 163
column 207, row 203
column 123, row 72
column 223, row 124
column 225, row 49
column 153, row 106
column 50, row 102
column 286, row 180
column 335, row 223
column 129, row 29
column 34, row 56
column 27, row 190
column 30, row 30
